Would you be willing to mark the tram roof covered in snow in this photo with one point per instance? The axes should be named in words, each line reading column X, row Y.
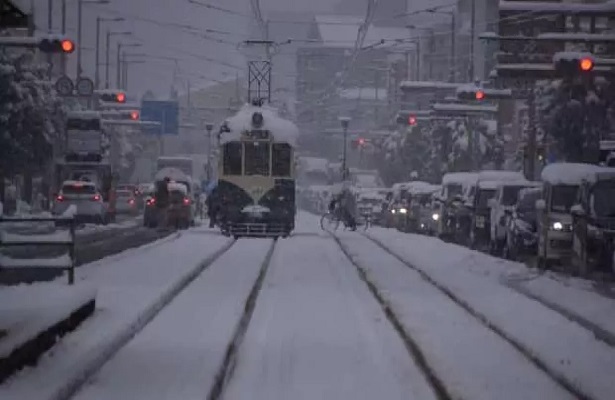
column 282, row 130
column 420, row 187
column 500, row 176
column 573, row 173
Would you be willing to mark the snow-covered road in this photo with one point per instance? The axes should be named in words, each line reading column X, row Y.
column 317, row 333
column 382, row 315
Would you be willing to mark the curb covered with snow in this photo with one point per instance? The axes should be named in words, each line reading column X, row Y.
column 113, row 345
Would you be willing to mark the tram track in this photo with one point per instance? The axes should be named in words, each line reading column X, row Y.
column 225, row 372
column 411, row 345
column 72, row 387
column 521, row 348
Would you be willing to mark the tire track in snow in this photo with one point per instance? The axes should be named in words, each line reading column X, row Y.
column 411, row 345
column 526, row 352
column 73, row 386
column 225, row 372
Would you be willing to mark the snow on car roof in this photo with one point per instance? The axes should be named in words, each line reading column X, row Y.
column 283, row 130
column 176, row 186
column 172, row 173
column 420, row 187
column 572, row 173
column 500, row 176
column 459, row 177
column 78, row 183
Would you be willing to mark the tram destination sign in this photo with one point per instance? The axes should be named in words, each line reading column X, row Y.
column 257, row 134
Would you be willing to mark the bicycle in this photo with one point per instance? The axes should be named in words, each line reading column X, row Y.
column 330, row 221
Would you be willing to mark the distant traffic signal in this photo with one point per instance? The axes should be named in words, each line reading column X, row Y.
column 361, row 141
column 110, row 97
column 573, row 63
column 477, row 93
column 411, row 120
column 55, row 45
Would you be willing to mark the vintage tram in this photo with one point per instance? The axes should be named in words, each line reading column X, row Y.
column 256, row 174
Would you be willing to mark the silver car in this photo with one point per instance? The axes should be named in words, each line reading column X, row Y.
column 126, row 202
column 85, row 199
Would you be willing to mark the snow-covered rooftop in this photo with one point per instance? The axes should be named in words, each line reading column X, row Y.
column 281, row 129
column 551, row 7
column 83, row 114
column 420, row 187
column 308, row 164
column 572, row 173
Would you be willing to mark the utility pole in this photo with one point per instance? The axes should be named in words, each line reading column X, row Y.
column 531, row 134
column 63, row 59
column 453, row 47
column 472, row 40
column 97, row 56
column 50, row 30
column 107, row 59
column 79, row 37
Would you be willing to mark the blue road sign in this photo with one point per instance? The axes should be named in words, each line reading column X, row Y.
column 165, row 112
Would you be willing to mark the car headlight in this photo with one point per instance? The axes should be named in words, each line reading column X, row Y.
column 403, row 211
column 557, row 226
column 435, row 216
column 393, row 211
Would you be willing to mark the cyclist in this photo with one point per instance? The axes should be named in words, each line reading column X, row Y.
column 343, row 205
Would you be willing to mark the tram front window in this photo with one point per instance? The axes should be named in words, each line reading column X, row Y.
column 256, row 158
column 232, row 158
column 281, row 159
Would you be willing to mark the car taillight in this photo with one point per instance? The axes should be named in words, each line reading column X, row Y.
column 60, row 198
column 186, row 201
column 150, row 202
column 131, row 201
column 96, row 197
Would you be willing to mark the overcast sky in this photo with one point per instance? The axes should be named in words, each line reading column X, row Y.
column 201, row 58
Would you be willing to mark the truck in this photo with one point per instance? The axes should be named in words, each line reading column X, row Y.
column 84, row 159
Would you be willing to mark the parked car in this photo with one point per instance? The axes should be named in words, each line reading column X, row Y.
column 521, row 236
column 593, row 223
column 86, row 200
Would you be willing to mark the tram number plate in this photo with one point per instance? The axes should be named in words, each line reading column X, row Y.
column 257, row 134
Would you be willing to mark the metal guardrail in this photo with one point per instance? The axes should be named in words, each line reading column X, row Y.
column 58, row 237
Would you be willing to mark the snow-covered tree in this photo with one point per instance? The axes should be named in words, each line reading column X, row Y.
column 31, row 115
column 575, row 114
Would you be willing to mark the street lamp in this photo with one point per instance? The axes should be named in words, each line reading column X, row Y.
column 99, row 20
column 209, row 126
column 80, row 4
column 118, row 62
column 345, row 121
column 109, row 34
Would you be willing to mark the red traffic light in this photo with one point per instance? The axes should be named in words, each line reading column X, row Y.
column 480, row 95
column 68, row 46
column 134, row 115
column 361, row 141
column 120, row 97
column 412, row 120
column 586, row 64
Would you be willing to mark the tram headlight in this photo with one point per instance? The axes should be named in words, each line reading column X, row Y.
column 557, row 226
column 403, row 211
column 435, row 216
